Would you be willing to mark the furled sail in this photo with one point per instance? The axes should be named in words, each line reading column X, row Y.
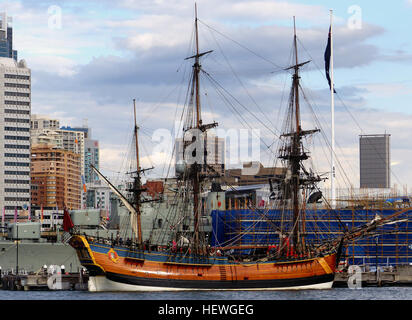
column 128, row 205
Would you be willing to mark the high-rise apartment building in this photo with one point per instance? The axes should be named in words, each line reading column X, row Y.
column 91, row 157
column 45, row 130
column 374, row 151
column 72, row 141
column 98, row 196
column 55, row 177
column 213, row 155
column 38, row 123
column 91, row 153
column 15, row 106
column 6, row 37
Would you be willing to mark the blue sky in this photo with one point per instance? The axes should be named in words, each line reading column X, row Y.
column 107, row 53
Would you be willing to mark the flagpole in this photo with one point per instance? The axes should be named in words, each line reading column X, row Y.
column 332, row 90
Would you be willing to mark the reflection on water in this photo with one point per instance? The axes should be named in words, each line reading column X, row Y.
column 370, row 293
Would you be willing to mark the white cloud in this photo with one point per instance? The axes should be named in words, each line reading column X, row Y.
column 53, row 64
column 11, row 6
column 231, row 9
column 272, row 10
column 76, row 75
column 75, row 42
column 111, row 157
column 386, row 89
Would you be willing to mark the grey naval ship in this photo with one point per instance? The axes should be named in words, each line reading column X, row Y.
column 25, row 247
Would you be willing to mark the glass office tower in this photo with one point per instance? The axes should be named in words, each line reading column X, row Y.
column 6, row 37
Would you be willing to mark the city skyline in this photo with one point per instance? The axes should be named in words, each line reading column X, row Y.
column 132, row 49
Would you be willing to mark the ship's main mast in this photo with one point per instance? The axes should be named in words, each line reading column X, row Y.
column 196, row 182
column 295, row 154
column 297, row 157
column 195, row 171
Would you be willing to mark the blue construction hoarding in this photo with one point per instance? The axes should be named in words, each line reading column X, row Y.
column 389, row 245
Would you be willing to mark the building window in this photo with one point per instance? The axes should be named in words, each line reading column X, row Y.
column 16, row 190
column 16, row 146
column 13, row 111
column 16, row 76
column 16, row 129
column 17, row 103
column 17, row 85
column 16, row 138
column 17, row 164
column 12, row 207
column 16, row 155
column 17, row 173
column 14, row 120
column 16, row 181
column 16, row 94
column 16, row 199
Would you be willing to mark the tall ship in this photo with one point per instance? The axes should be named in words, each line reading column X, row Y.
column 193, row 259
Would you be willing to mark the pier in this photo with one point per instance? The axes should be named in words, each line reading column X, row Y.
column 384, row 276
column 44, row 281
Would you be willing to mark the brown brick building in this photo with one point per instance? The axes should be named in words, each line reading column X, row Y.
column 250, row 176
column 154, row 188
column 55, row 177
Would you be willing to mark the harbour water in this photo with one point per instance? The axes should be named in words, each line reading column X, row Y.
column 367, row 293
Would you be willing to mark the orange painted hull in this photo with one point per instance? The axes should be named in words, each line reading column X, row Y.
column 154, row 271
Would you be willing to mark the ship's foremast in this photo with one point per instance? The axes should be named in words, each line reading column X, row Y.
column 137, row 183
column 137, row 189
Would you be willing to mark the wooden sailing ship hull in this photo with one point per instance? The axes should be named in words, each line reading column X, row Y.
column 114, row 268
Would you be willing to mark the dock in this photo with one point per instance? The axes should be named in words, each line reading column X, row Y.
column 384, row 276
column 44, row 281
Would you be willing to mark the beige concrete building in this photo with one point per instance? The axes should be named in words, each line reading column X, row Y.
column 15, row 106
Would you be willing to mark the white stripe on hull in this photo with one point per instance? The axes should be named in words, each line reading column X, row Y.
column 101, row 284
